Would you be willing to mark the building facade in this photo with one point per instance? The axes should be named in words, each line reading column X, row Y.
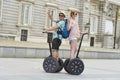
column 108, row 20
column 23, row 20
column 103, row 25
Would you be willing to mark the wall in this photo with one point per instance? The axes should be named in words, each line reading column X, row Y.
column 27, row 52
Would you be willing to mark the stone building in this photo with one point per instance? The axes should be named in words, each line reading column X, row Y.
column 23, row 20
column 103, row 25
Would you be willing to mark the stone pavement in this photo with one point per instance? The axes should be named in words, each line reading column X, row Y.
column 31, row 69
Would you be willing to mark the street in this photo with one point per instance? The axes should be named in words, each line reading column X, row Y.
column 31, row 69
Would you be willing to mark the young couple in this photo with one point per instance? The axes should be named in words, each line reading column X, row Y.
column 57, row 39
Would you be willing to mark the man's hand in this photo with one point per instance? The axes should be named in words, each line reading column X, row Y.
column 51, row 17
column 45, row 29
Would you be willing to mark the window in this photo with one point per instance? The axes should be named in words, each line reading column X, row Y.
column 93, row 24
column 1, row 2
column 24, row 34
column 26, row 14
column 108, row 27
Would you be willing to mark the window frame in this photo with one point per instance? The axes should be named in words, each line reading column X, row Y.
column 22, row 13
column 93, row 25
column 29, row 13
column 23, row 35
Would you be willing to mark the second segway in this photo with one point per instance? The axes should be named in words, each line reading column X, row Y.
column 76, row 65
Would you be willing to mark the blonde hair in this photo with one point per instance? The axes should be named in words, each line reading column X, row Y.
column 72, row 12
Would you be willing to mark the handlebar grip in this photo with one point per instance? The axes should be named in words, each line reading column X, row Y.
column 47, row 32
column 85, row 33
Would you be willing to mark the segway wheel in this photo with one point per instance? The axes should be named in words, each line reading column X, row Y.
column 50, row 65
column 76, row 66
column 60, row 61
column 66, row 65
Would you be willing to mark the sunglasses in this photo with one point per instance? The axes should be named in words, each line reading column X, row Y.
column 61, row 15
column 75, row 14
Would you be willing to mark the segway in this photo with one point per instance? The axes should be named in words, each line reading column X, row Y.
column 76, row 65
column 50, row 64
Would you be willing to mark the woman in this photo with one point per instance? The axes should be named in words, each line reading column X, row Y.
column 74, row 33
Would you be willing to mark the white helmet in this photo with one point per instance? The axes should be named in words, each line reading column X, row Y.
column 62, row 13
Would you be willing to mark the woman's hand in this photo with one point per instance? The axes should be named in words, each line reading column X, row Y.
column 82, row 32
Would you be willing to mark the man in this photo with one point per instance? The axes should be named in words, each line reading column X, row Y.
column 57, row 38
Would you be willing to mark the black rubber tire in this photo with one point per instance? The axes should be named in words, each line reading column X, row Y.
column 61, row 63
column 76, row 66
column 66, row 65
column 50, row 64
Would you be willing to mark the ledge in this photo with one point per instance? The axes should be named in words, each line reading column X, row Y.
column 74, row 9
column 31, row 1
column 51, row 5
column 8, row 35
column 108, row 35
column 26, row 26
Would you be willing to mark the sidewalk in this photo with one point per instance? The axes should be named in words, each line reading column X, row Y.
column 31, row 69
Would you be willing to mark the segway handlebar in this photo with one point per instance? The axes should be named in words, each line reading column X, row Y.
column 47, row 32
column 84, row 34
column 80, row 44
column 49, row 39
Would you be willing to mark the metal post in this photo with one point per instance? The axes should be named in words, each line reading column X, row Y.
column 116, row 18
column 80, row 44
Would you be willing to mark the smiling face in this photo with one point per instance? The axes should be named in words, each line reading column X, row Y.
column 61, row 16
